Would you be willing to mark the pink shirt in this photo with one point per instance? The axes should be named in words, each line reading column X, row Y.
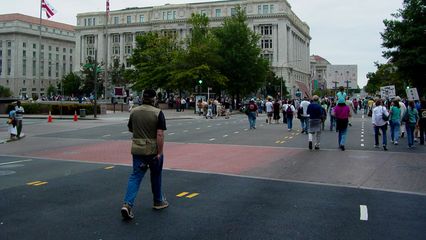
column 342, row 112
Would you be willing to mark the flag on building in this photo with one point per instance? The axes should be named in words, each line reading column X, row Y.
column 48, row 8
column 107, row 7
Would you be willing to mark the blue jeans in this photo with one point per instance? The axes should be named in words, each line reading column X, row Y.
column 305, row 123
column 395, row 126
column 332, row 122
column 290, row 122
column 342, row 137
column 252, row 119
column 135, row 179
column 384, row 129
column 410, row 133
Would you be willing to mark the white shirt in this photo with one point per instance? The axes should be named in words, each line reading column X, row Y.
column 269, row 107
column 304, row 104
column 377, row 113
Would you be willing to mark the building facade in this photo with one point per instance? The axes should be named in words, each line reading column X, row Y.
column 27, row 67
column 319, row 67
column 284, row 39
column 342, row 75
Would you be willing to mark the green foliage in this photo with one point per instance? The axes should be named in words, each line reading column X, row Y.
column 55, row 109
column 88, row 84
column 5, row 92
column 72, row 84
column 242, row 63
column 152, row 61
column 404, row 37
column 116, row 72
column 385, row 75
column 51, row 90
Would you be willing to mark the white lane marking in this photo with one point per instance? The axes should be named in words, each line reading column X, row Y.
column 362, row 135
column 225, row 136
column 125, row 132
column 219, row 124
column 363, row 213
column 362, row 116
column 107, row 135
column 362, row 140
column 362, row 144
column 212, row 139
column 245, row 129
column 6, row 163
column 171, row 134
column 198, row 128
column 236, row 132
column 185, row 130
column 209, row 126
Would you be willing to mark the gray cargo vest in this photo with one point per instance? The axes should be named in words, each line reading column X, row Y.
column 144, row 123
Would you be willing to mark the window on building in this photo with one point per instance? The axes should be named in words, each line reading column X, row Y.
column 70, row 50
column 85, row 22
column 174, row 14
column 64, row 68
column 42, row 47
column 34, row 46
column 128, row 49
column 9, row 67
column 34, row 54
column 259, row 9
column 24, row 67
column 141, row 18
column 265, row 9
column 129, row 19
column 271, row 8
column 63, row 58
column 1, row 66
column 90, row 40
column 34, row 67
column 42, row 55
column 49, row 71
column 9, row 53
column 89, row 22
column 266, row 30
column 9, row 44
column 57, row 57
column 128, row 65
column 218, row 12
column 24, row 53
column 64, row 50
column 70, row 68
column 233, row 11
column 50, row 56
column 57, row 49
column 70, row 58
column 90, row 51
column 266, row 43
column 57, row 70
column 50, row 48
column 116, row 38
column 203, row 13
column 128, row 38
column 115, row 20
column 24, row 44
column 116, row 50
column 94, row 21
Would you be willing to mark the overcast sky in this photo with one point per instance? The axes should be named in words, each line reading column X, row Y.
column 342, row 31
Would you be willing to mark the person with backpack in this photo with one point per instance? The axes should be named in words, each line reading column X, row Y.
column 411, row 119
column 251, row 112
column 380, row 117
column 289, row 112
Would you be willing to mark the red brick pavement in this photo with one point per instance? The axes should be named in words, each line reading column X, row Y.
column 218, row 158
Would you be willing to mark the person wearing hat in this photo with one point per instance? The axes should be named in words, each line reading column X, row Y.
column 147, row 123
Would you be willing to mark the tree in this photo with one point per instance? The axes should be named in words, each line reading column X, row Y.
column 199, row 60
column 385, row 75
column 5, row 92
column 152, row 61
column 72, row 84
column 88, row 70
column 51, row 90
column 404, row 37
column 242, row 63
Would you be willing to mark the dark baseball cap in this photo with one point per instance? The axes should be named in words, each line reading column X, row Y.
column 149, row 93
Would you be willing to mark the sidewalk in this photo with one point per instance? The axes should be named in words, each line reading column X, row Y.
column 118, row 116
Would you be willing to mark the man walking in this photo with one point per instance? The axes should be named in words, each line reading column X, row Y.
column 19, row 116
column 315, row 112
column 147, row 123
column 304, row 120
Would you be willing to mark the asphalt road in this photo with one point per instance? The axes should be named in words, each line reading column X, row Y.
column 66, row 180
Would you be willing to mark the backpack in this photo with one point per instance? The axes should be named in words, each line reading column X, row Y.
column 288, row 111
column 300, row 113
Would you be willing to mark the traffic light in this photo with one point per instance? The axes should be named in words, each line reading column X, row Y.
column 200, row 81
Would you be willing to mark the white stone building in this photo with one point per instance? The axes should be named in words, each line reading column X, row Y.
column 21, row 69
column 284, row 40
column 342, row 75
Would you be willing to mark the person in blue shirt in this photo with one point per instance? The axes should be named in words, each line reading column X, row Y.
column 341, row 95
column 315, row 112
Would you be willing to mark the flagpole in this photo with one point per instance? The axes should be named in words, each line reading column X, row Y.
column 106, row 52
column 39, row 49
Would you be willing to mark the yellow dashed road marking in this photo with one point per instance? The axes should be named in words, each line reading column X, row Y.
column 192, row 195
column 182, row 194
column 108, row 168
column 36, row 183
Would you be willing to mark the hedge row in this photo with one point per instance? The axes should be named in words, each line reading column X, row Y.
column 55, row 109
